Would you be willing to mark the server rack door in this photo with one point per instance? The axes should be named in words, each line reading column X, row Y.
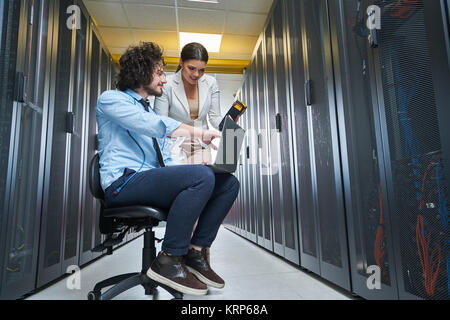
column 241, row 230
column 309, row 252
column 9, row 31
column 75, row 185
column 250, row 133
column 273, row 145
column 283, row 132
column 409, row 72
column 247, row 195
column 59, row 159
column 258, row 104
column 369, row 229
column 23, row 57
column 90, row 204
column 245, row 214
column 263, row 143
column 327, row 180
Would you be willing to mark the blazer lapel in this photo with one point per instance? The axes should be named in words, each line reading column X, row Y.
column 202, row 94
column 178, row 90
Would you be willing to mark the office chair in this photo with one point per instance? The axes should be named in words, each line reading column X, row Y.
column 115, row 223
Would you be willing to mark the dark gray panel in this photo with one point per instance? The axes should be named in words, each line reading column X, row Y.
column 273, row 153
column 370, row 240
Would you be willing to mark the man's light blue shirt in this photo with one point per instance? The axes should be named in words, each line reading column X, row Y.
column 119, row 112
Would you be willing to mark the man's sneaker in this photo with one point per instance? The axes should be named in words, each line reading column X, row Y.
column 171, row 271
column 197, row 263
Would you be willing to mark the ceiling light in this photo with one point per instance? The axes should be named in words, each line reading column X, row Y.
column 210, row 41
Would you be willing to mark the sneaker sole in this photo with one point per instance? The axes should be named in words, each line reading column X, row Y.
column 158, row 278
column 205, row 280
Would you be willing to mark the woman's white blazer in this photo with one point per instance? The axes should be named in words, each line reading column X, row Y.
column 173, row 102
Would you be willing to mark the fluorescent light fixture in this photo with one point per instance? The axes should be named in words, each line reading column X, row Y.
column 206, row 1
column 210, row 41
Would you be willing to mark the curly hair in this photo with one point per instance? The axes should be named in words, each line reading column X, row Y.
column 137, row 64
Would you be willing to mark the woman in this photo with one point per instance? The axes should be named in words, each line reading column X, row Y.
column 190, row 96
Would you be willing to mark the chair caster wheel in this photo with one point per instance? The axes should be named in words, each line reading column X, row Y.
column 93, row 296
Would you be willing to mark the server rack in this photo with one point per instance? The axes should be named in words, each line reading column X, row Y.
column 369, row 229
column 411, row 111
column 22, row 144
column 60, row 221
column 45, row 127
column 273, row 141
column 283, row 129
column 261, row 151
column 249, row 137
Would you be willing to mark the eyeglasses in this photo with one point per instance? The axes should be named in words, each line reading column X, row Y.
column 159, row 71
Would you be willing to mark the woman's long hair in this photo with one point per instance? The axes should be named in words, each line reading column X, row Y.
column 137, row 64
column 193, row 51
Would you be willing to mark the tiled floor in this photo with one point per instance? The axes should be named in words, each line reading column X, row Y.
column 251, row 273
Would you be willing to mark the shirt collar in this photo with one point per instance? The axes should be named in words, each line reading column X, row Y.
column 134, row 94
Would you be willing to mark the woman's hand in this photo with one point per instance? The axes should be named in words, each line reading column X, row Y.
column 237, row 118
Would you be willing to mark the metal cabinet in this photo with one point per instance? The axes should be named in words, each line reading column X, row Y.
column 262, row 175
column 24, row 43
column 411, row 66
column 47, row 138
column 90, row 233
column 327, row 215
column 61, row 204
column 369, row 229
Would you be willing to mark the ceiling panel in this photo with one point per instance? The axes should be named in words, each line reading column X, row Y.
column 238, row 46
column 201, row 5
column 117, row 37
column 107, row 14
column 151, row 17
column 126, row 22
column 206, row 21
column 253, row 6
column 168, row 40
column 244, row 23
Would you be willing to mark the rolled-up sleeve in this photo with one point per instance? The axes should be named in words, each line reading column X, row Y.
column 122, row 109
column 215, row 116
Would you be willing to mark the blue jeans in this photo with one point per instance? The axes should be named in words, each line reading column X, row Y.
column 189, row 192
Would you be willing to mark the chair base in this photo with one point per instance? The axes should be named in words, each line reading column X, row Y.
column 127, row 281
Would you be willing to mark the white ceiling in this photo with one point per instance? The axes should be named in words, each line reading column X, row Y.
column 126, row 22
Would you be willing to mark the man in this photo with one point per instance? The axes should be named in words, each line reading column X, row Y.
column 136, row 168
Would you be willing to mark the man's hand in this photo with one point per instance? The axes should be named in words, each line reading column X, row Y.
column 206, row 136
column 209, row 135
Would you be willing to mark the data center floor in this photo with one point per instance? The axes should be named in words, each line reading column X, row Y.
column 250, row 272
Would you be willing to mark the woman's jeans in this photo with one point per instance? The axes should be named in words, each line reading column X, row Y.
column 189, row 192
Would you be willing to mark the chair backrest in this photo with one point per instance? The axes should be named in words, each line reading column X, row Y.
column 94, row 178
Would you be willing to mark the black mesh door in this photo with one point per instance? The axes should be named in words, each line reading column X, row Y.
column 418, row 191
column 370, row 240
